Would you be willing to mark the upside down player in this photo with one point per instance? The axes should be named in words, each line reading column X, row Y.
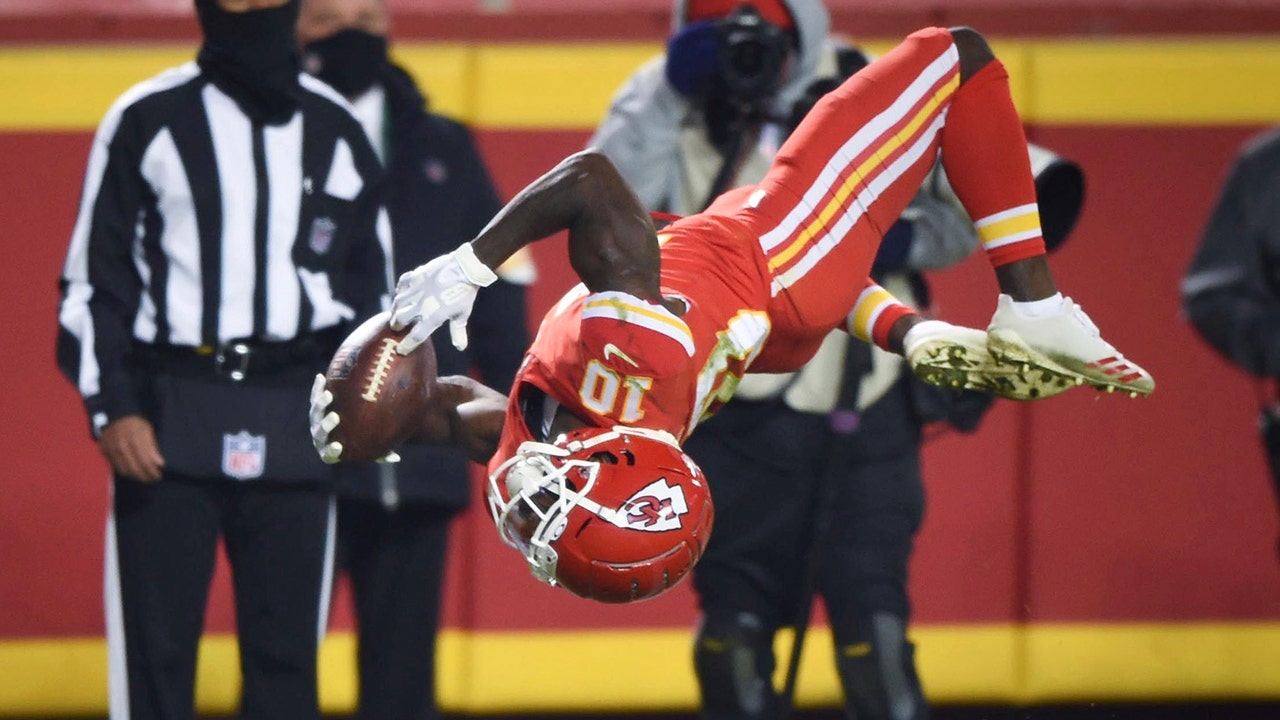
column 586, row 476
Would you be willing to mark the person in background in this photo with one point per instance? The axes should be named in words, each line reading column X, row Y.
column 842, row 507
column 1231, row 291
column 226, row 240
column 393, row 518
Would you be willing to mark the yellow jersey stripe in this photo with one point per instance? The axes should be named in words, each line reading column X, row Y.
column 630, row 309
column 869, row 305
column 1024, row 225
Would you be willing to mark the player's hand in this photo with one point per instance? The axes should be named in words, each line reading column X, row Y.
column 323, row 421
column 129, row 444
column 442, row 290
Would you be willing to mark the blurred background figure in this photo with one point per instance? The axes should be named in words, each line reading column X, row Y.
column 225, row 240
column 704, row 117
column 1231, row 292
column 824, row 493
column 393, row 519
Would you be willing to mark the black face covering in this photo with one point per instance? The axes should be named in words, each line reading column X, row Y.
column 252, row 57
column 349, row 60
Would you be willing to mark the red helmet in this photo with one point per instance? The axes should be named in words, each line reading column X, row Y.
column 614, row 515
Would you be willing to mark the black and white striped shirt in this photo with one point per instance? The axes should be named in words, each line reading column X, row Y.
column 198, row 226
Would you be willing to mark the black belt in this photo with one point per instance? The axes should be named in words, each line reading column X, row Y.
column 239, row 359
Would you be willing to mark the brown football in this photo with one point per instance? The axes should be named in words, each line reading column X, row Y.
column 379, row 394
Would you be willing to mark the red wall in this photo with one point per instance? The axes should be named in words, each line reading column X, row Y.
column 97, row 20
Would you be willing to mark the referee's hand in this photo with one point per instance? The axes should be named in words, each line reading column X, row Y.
column 129, row 444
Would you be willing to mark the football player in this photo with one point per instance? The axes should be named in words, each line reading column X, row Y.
column 586, row 476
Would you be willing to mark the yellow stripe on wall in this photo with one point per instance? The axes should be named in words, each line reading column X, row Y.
column 567, row 86
column 551, row 86
column 1157, row 81
column 70, row 88
column 651, row 670
column 1187, row 662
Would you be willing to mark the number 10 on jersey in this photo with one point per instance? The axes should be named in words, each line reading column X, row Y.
column 603, row 388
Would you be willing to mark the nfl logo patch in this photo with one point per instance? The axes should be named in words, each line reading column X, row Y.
column 322, row 229
column 244, row 456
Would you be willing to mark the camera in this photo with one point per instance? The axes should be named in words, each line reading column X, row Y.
column 753, row 54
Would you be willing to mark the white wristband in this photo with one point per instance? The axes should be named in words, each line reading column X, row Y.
column 476, row 272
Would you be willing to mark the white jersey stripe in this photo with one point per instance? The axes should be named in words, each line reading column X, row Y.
column 630, row 309
column 162, row 167
column 1006, row 214
column 75, row 317
column 233, row 152
column 836, row 233
column 283, row 149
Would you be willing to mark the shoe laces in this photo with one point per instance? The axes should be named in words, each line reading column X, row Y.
column 1083, row 319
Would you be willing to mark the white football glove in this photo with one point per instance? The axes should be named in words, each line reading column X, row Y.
column 323, row 422
column 443, row 289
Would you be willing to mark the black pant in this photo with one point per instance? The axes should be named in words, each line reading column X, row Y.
column 162, row 539
column 395, row 561
column 765, row 465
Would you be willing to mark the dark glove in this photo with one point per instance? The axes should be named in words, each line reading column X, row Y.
column 693, row 59
column 894, row 250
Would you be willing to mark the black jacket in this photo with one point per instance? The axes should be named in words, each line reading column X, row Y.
column 438, row 196
column 1231, row 292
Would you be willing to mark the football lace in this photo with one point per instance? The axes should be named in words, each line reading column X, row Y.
column 378, row 373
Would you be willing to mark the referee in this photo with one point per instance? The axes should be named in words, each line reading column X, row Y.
column 226, row 237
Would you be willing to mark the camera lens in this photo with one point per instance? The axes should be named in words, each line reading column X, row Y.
column 748, row 58
column 753, row 53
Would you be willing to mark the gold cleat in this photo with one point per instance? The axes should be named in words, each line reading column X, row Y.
column 955, row 357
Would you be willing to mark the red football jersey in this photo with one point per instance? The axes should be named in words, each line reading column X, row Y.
column 765, row 272
column 613, row 359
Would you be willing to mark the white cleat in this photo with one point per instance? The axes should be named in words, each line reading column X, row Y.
column 1067, row 345
column 955, row 357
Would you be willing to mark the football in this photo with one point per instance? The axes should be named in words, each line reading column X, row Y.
column 379, row 394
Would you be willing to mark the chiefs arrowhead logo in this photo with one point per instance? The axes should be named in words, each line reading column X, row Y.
column 656, row 508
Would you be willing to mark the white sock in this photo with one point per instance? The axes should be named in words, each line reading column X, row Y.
column 922, row 331
column 1048, row 307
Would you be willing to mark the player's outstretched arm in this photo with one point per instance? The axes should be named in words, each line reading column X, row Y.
column 612, row 243
column 612, row 246
column 464, row 414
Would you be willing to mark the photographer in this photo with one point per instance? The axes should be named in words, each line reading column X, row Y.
column 704, row 115
column 1231, row 292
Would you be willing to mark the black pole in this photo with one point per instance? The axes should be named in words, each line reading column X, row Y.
column 842, row 424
